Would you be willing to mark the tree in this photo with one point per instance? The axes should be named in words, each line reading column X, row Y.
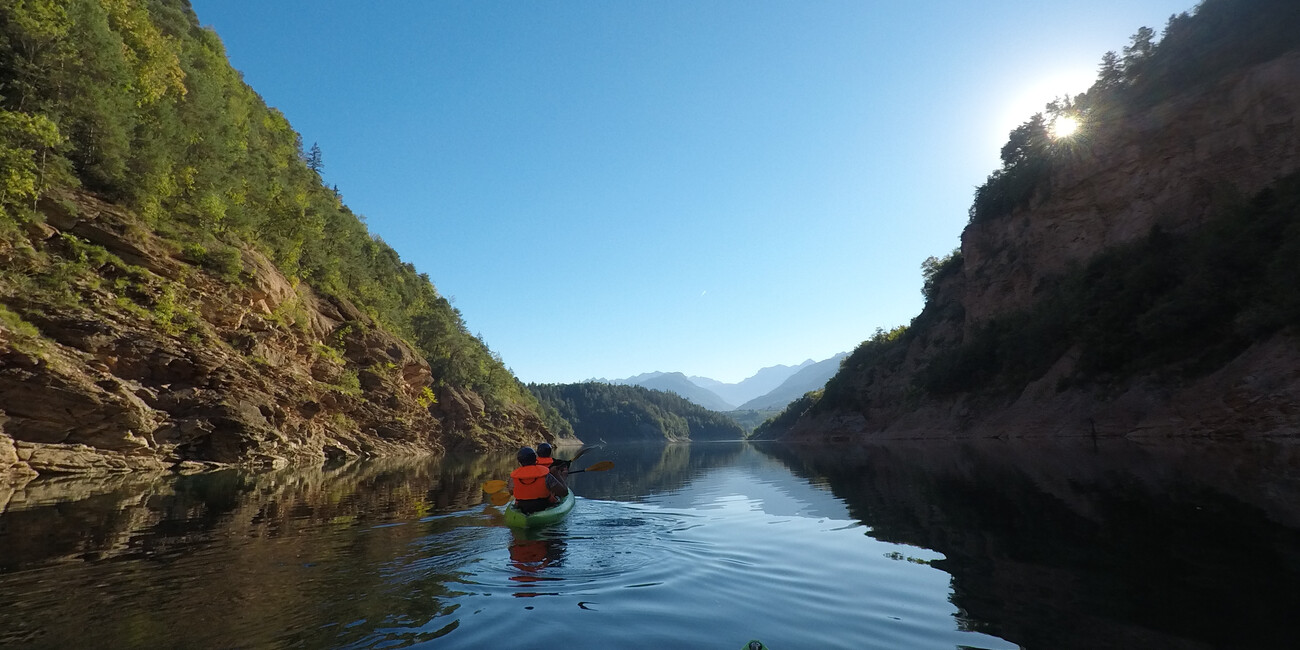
column 935, row 269
column 1027, row 142
column 314, row 161
column 24, row 139
column 1138, row 52
column 1111, row 73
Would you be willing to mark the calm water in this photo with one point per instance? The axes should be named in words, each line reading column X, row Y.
column 988, row 545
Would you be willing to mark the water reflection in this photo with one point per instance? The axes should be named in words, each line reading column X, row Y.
column 1115, row 545
column 255, row 557
column 642, row 470
column 532, row 553
column 988, row 545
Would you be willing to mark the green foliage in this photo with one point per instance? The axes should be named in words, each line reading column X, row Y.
column 749, row 419
column 134, row 100
column 1219, row 37
column 342, row 422
column 170, row 316
column 935, row 270
column 1026, row 164
column 14, row 323
column 885, row 350
column 25, row 142
column 223, row 260
column 780, row 423
column 611, row 412
column 349, row 383
column 426, row 398
column 555, row 423
column 83, row 252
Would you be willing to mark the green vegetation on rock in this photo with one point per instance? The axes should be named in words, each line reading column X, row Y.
column 1195, row 49
column 782, row 421
column 133, row 102
column 1184, row 304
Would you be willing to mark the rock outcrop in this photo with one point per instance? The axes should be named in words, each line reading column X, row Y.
column 175, row 367
column 1171, row 166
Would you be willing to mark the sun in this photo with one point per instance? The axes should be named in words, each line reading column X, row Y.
column 1064, row 126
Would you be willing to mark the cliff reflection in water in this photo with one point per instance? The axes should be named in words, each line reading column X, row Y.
column 231, row 554
column 1116, row 545
column 645, row 469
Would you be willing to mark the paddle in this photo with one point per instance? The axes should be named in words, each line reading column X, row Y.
column 564, row 464
column 598, row 467
column 499, row 498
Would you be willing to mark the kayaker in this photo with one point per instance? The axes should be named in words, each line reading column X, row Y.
column 544, row 454
column 557, row 465
column 534, row 486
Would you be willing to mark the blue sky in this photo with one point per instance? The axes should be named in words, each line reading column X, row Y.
column 608, row 188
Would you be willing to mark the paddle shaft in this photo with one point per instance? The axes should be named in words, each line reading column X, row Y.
column 598, row 467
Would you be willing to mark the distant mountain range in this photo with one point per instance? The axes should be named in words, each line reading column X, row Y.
column 770, row 388
column 676, row 382
column 810, row 376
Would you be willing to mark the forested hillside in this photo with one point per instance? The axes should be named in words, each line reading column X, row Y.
column 1137, row 275
column 602, row 412
column 146, row 192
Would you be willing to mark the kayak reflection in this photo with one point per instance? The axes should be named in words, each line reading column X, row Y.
column 532, row 553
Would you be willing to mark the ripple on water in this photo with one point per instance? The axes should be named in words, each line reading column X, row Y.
column 726, row 570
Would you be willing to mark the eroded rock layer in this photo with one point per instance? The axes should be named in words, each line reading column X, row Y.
column 173, row 367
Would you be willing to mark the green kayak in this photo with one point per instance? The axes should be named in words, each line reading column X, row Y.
column 553, row 514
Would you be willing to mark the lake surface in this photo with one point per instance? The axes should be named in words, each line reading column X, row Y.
column 998, row 544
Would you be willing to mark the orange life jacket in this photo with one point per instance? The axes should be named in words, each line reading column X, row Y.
column 529, row 482
column 545, row 461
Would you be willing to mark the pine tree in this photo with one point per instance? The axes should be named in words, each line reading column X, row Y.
column 1112, row 71
column 314, row 161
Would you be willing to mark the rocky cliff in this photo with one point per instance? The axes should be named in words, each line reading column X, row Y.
column 1138, row 176
column 1170, row 165
column 159, row 363
column 180, row 288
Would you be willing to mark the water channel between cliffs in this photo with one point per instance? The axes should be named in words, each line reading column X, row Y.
column 998, row 544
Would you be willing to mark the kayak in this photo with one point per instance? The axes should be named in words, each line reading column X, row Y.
column 551, row 515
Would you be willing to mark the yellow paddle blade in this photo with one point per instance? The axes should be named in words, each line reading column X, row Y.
column 597, row 467
column 494, row 486
column 499, row 498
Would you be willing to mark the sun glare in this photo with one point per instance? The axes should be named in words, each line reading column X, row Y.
column 1064, row 126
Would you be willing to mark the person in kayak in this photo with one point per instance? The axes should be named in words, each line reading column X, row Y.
column 557, row 465
column 544, row 455
column 534, row 486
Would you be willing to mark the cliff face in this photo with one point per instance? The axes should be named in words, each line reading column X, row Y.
column 179, row 287
column 1170, row 167
column 158, row 363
